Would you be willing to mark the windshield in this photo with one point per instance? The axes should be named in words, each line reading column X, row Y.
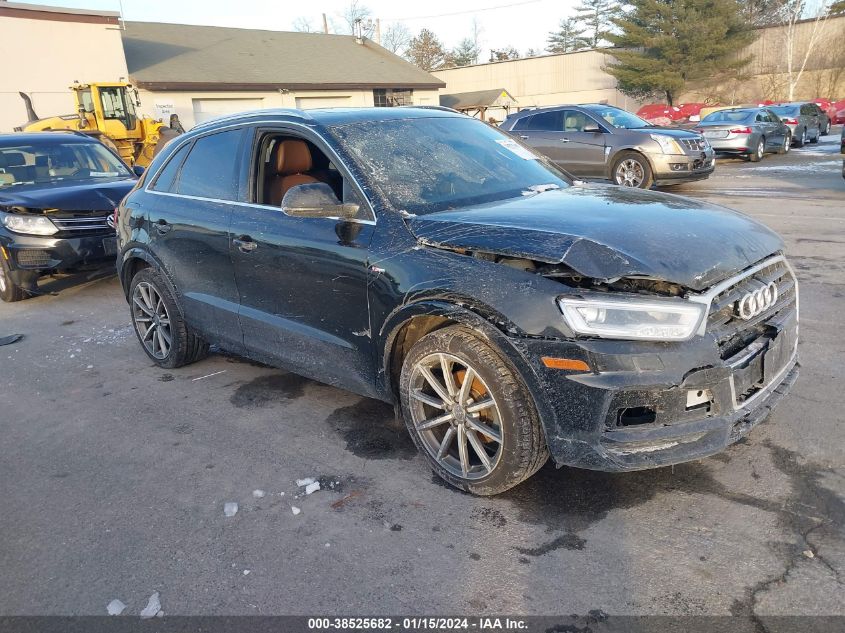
column 434, row 164
column 55, row 162
column 728, row 116
column 618, row 118
column 784, row 110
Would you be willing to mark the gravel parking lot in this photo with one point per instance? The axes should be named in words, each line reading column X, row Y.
column 115, row 473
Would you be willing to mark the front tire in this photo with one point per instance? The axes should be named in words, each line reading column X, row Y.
column 631, row 169
column 158, row 322
column 787, row 144
column 469, row 413
column 801, row 141
column 9, row 290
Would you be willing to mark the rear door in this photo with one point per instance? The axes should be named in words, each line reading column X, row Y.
column 767, row 129
column 194, row 195
column 778, row 128
column 303, row 281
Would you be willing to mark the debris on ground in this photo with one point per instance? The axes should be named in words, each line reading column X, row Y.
column 115, row 607
column 152, row 608
column 312, row 487
column 246, row 572
column 258, row 494
column 295, row 510
column 393, row 527
column 337, row 505
column 230, row 508
column 12, row 338
column 305, row 482
column 808, row 553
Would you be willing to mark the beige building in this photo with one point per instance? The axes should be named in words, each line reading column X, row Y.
column 576, row 77
column 46, row 49
column 196, row 72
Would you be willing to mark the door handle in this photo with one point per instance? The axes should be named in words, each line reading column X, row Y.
column 162, row 226
column 245, row 244
column 564, row 140
column 523, row 137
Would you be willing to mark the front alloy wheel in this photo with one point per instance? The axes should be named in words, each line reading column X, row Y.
column 758, row 154
column 455, row 415
column 630, row 173
column 470, row 413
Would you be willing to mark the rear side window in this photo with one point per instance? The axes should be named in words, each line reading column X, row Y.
column 166, row 178
column 210, row 171
column 546, row 122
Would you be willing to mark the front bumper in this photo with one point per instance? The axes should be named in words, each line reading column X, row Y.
column 31, row 255
column 673, row 169
column 649, row 404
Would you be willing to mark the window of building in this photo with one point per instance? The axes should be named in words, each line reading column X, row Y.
column 389, row 97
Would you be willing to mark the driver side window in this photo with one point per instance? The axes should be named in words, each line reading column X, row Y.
column 285, row 160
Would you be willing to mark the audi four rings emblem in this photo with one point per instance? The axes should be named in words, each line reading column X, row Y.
column 758, row 301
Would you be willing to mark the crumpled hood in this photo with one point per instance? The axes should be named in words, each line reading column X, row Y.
column 605, row 232
column 97, row 196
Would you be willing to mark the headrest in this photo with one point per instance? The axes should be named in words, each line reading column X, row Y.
column 14, row 159
column 292, row 157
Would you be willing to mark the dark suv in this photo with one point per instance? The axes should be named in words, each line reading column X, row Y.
column 602, row 141
column 58, row 192
column 422, row 257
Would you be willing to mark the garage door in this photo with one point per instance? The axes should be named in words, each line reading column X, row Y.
column 205, row 109
column 305, row 103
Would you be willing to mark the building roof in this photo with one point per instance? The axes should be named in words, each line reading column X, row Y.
column 57, row 14
column 477, row 99
column 187, row 57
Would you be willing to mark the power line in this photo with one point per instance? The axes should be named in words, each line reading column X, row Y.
column 446, row 15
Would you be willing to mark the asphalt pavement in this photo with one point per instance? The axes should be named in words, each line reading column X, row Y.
column 114, row 475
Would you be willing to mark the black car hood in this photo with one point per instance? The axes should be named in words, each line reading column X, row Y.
column 605, row 232
column 89, row 196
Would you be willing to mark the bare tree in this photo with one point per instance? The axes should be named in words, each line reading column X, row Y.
column 355, row 19
column 396, row 38
column 797, row 14
column 475, row 35
column 304, row 25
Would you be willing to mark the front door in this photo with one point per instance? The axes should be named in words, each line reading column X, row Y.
column 584, row 150
column 302, row 282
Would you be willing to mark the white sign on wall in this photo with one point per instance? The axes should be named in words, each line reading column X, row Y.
column 163, row 110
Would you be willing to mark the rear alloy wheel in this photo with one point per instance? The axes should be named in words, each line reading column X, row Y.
column 826, row 129
column 815, row 139
column 159, row 325
column 787, row 144
column 469, row 413
column 758, row 153
column 632, row 170
column 801, row 141
column 9, row 291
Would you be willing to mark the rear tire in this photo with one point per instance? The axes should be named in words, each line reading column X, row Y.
column 631, row 169
column 801, row 141
column 9, row 290
column 158, row 322
column 787, row 144
column 469, row 372
column 757, row 155
column 815, row 139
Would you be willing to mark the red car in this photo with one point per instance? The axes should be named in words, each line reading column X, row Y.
column 828, row 106
column 839, row 112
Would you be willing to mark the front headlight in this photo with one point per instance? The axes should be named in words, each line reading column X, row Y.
column 29, row 224
column 648, row 320
column 668, row 145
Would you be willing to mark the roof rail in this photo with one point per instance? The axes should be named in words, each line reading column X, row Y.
column 252, row 113
column 431, row 107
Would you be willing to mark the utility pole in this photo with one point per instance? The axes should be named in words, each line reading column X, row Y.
column 325, row 24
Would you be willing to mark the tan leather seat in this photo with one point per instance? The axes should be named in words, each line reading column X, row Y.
column 292, row 160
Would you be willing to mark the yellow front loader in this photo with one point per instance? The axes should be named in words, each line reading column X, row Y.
column 108, row 112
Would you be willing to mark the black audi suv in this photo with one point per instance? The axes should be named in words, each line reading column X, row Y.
column 58, row 192
column 424, row 258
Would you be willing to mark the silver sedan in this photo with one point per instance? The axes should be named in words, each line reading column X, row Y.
column 750, row 132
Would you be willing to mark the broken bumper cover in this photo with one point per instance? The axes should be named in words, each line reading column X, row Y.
column 669, row 168
column 653, row 413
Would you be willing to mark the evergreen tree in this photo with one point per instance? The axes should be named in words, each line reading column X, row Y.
column 568, row 37
column 596, row 16
column 465, row 53
column 664, row 44
column 426, row 51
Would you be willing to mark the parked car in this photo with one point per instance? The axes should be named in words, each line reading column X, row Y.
column 839, row 106
column 602, row 141
column 57, row 193
column 806, row 121
column 842, row 140
column 749, row 132
column 424, row 258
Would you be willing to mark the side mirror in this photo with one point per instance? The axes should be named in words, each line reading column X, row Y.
column 138, row 170
column 316, row 200
column 592, row 129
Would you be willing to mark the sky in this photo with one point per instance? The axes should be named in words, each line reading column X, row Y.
column 523, row 24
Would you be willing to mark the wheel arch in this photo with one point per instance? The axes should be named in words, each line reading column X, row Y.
column 134, row 259
column 636, row 149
